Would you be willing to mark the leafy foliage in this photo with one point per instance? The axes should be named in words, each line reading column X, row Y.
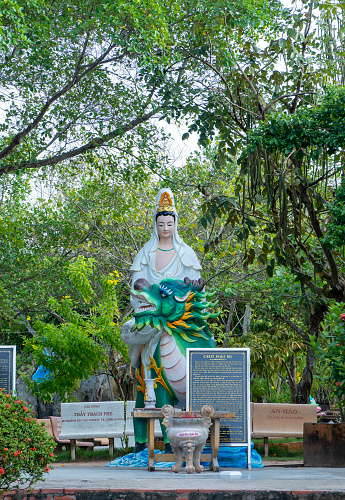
column 90, row 83
column 79, row 345
column 330, row 349
column 320, row 128
column 274, row 119
column 335, row 234
column 246, row 77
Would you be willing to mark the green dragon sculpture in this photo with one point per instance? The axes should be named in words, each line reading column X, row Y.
column 177, row 309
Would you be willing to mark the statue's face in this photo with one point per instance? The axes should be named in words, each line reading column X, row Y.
column 165, row 226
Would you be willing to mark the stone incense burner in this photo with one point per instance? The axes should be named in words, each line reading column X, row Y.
column 188, row 433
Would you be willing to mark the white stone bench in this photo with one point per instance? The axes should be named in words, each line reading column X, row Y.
column 277, row 420
column 91, row 421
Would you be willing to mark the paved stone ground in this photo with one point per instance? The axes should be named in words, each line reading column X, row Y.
column 266, row 479
column 94, row 481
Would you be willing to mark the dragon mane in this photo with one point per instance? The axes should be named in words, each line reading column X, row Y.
column 193, row 320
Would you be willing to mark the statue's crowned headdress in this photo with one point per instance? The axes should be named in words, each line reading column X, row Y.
column 166, row 203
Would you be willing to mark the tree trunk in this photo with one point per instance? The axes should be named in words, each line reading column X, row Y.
column 292, row 381
column 306, row 382
column 304, row 385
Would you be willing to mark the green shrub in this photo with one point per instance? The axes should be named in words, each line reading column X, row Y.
column 25, row 448
column 258, row 389
column 330, row 348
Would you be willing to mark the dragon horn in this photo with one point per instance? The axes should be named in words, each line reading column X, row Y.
column 195, row 328
column 206, row 316
column 203, row 305
column 197, row 316
column 202, row 336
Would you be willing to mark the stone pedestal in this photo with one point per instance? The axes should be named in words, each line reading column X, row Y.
column 324, row 445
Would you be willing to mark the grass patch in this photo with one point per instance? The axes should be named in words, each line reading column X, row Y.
column 84, row 455
column 277, row 451
column 277, row 440
column 295, row 458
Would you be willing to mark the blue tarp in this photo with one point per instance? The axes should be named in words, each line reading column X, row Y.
column 40, row 374
column 228, row 456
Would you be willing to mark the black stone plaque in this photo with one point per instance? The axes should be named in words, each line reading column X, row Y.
column 7, row 368
column 220, row 377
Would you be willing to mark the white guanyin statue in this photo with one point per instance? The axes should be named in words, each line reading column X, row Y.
column 164, row 256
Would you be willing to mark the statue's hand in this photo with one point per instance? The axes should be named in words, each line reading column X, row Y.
column 136, row 340
column 126, row 333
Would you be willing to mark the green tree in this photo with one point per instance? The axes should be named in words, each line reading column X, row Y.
column 298, row 151
column 83, row 342
column 85, row 79
column 280, row 191
column 72, row 79
column 294, row 162
column 222, row 67
column 104, row 222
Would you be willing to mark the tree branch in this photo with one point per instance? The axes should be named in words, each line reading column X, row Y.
column 76, row 79
column 254, row 90
column 215, row 70
column 56, row 316
column 295, row 328
column 304, row 46
column 288, row 371
column 318, row 231
column 223, row 271
column 283, row 97
column 93, row 144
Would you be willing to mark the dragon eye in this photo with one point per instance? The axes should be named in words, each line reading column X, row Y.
column 163, row 293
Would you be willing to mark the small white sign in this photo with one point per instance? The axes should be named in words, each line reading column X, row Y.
column 189, row 434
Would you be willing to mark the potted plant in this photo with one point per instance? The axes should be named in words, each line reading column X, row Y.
column 324, row 443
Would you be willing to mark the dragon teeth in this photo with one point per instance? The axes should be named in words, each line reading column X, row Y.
column 148, row 307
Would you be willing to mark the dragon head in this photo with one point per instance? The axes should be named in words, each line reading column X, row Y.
column 176, row 306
